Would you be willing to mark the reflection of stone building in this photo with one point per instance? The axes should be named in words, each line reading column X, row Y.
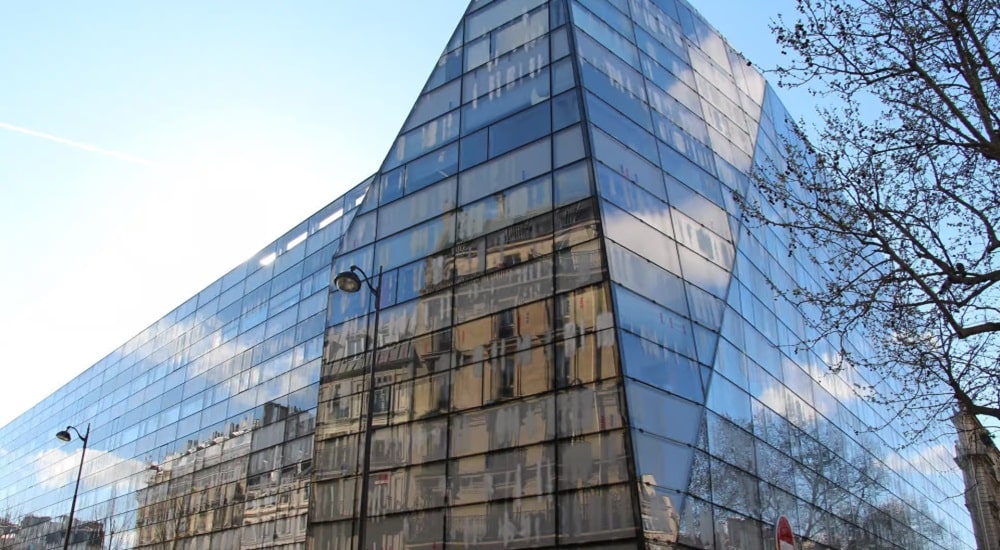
column 977, row 456
column 246, row 479
column 42, row 533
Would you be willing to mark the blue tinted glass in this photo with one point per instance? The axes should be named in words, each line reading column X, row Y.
column 473, row 149
column 520, row 129
column 609, row 90
column 660, row 367
column 610, row 120
column 662, row 463
column 431, row 168
column 604, row 34
column 656, row 412
column 525, row 92
column 639, row 315
column 391, row 185
column 565, row 110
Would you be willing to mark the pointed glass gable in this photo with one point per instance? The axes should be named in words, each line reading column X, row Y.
column 565, row 354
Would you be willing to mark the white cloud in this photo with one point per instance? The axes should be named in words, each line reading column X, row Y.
column 57, row 468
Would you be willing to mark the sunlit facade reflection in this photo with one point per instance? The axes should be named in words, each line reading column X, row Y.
column 578, row 344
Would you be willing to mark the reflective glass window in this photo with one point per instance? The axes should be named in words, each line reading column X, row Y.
column 568, row 146
column 507, row 69
column 641, row 316
column 529, row 90
column 627, row 164
column 593, row 460
column 496, row 14
column 604, row 34
column 511, row 424
column 433, row 104
column 517, row 523
column 579, row 265
column 646, row 278
column 589, row 408
column 610, row 120
column 522, row 472
column 423, row 139
column 596, row 514
column 572, row 183
column 417, row 242
column 649, row 243
column 613, row 92
column 656, row 412
column 473, row 149
column 520, row 129
column 526, row 28
column 661, row 367
column 502, row 209
column 635, row 199
column 586, row 357
column 449, row 66
column 417, row 207
column 510, row 169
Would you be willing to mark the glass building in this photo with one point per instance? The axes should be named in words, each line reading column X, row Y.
column 578, row 343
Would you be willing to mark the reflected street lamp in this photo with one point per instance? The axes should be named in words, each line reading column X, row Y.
column 64, row 435
column 351, row 281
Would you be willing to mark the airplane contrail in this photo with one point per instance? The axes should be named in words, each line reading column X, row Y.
column 78, row 145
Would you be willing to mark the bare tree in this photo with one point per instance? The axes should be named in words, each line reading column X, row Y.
column 896, row 193
column 9, row 527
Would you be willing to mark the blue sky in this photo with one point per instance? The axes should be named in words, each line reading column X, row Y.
column 146, row 148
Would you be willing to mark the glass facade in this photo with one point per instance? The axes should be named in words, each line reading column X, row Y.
column 578, row 344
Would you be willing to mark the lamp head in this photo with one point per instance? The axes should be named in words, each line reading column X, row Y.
column 348, row 281
column 64, row 435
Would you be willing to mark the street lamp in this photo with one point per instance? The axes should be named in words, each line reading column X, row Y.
column 350, row 281
column 64, row 435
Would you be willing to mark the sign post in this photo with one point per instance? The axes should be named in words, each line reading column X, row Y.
column 783, row 534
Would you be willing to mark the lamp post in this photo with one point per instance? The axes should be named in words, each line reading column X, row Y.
column 64, row 435
column 350, row 281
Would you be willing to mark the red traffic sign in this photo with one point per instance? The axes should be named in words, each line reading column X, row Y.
column 783, row 534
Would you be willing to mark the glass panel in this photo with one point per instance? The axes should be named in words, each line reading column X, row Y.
column 598, row 459
column 519, row 523
column 628, row 165
column 643, row 239
column 406, row 489
column 411, row 530
column 578, row 266
column 661, row 367
column 529, row 90
column 646, row 278
column 509, row 425
column 662, row 463
column 604, row 513
column 503, row 71
column 516, row 473
column 604, row 34
column 421, row 140
column 519, row 129
column 417, row 207
column 498, row 13
column 415, row 243
column 588, row 409
column 505, row 171
column 583, row 358
column 434, row 103
column 658, row 413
